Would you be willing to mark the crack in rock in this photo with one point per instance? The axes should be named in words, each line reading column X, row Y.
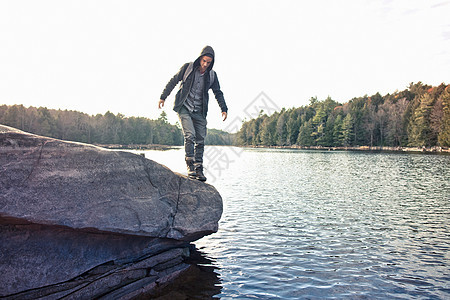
column 36, row 163
column 172, row 232
column 178, row 202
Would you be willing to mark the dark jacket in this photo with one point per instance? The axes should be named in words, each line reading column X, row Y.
column 182, row 94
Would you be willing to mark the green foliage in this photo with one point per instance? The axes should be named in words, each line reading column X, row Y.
column 268, row 131
column 100, row 129
column 444, row 134
column 417, row 116
column 219, row 137
column 419, row 130
column 345, row 135
column 305, row 134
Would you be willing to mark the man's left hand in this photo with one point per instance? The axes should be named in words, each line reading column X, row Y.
column 224, row 115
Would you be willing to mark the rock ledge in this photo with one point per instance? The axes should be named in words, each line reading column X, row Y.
column 79, row 221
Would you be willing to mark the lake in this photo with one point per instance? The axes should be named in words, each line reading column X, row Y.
column 325, row 224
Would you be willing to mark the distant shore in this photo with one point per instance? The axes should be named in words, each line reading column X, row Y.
column 435, row 149
column 363, row 148
column 137, row 147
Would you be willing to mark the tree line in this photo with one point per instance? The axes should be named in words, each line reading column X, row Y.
column 105, row 129
column 419, row 116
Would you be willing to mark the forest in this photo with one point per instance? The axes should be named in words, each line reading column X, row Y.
column 98, row 129
column 418, row 116
column 107, row 129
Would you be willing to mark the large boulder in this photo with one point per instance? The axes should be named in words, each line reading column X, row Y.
column 71, row 213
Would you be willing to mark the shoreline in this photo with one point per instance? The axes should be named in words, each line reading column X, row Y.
column 435, row 149
column 137, row 146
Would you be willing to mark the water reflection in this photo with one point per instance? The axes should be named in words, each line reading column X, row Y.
column 201, row 281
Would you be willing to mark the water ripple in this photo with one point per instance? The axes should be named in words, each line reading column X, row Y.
column 315, row 225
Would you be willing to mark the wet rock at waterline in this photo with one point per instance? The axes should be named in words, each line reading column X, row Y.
column 81, row 221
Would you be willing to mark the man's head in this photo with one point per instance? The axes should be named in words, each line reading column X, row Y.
column 205, row 61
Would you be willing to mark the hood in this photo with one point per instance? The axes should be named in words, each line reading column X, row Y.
column 207, row 50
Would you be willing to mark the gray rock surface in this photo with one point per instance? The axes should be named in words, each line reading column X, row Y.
column 79, row 221
column 49, row 181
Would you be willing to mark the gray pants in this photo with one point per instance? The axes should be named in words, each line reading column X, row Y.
column 194, row 131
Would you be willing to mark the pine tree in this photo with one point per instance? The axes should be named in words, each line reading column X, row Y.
column 419, row 133
column 338, row 135
column 444, row 135
column 347, row 130
column 305, row 134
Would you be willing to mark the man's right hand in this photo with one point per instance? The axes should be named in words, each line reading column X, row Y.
column 161, row 103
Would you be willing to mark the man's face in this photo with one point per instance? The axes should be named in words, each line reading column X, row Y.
column 205, row 61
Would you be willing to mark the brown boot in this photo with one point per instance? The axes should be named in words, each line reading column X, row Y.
column 199, row 172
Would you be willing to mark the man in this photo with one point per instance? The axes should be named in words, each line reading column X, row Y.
column 191, row 104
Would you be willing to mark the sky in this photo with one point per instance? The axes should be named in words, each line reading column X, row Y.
column 96, row 56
